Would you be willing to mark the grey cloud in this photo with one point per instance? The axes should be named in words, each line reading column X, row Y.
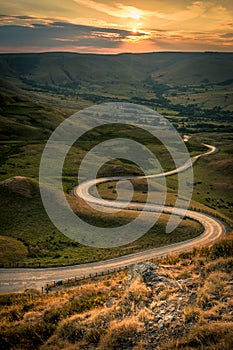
column 39, row 25
column 17, row 17
column 90, row 29
column 49, row 35
column 227, row 35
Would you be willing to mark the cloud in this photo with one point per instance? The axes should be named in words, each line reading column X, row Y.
column 113, row 26
column 227, row 35
column 192, row 41
column 50, row 35
column 118, row 10
column 24, row 20
column 18, row 17
column 193, row 9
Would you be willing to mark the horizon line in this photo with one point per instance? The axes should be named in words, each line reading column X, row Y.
column 112, row 54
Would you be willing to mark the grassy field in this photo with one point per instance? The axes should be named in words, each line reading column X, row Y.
column 31, row 110
column 204, row 96
column 26, row 226
column 25, row 220
column 196, row 87
column 212, row 177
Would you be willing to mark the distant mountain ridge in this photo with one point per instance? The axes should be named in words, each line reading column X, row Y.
column 38, row 90
column 173, row 68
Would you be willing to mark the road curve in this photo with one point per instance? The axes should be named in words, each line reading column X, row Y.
column 83, row 190
column 19, row 279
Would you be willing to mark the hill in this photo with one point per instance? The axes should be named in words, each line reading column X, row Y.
column 23, row 117
column 197, row 87
column 183, row 302
column 75, row 69
column 28, row 237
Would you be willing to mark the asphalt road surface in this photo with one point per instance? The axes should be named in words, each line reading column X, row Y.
column 21, row 278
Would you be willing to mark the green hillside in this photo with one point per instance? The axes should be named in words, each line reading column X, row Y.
column 23, row 117
column 194, row 89
column 71, row 68
column 37, row 91
column 29, row 236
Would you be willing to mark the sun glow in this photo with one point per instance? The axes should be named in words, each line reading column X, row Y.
column 134, row 14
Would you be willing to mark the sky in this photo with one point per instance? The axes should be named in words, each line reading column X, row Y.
column 111, row 27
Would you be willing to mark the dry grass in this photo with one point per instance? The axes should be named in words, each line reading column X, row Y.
column 120, row 334
column 145, row 315
column 142, row 345
column 191, row 301
column 137, row 291
column 215, row 336
column 213, row 289
column 191, row 313
column 11, row 250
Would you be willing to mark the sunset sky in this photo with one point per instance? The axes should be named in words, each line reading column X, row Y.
column 106, row 26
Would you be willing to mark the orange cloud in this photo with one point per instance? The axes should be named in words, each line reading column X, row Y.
column 116, row 26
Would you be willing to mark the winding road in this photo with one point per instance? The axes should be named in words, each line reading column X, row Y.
column 83, row 190
column 17, row 279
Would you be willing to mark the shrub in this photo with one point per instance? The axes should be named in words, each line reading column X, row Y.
column 93, row 336
column 26, row 336
column 191, row 314
column 222, row 249
column 121, row 335
column 214, row 336
column 71, row 330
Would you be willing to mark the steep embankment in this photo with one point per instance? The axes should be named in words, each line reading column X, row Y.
column 23, row 117
column 184, row 304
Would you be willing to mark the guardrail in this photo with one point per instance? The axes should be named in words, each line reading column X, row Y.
column 68, row 282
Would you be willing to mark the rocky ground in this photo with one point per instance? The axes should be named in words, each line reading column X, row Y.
column 184, row 302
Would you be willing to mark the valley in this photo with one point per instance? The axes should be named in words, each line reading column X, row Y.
column 36, row 99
